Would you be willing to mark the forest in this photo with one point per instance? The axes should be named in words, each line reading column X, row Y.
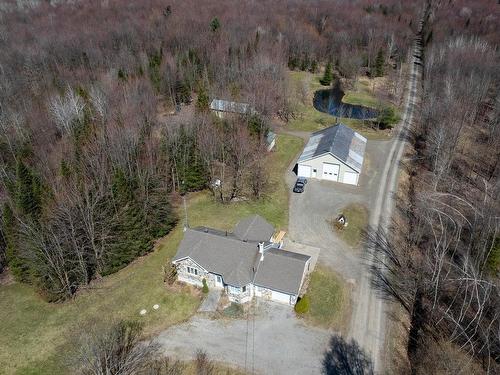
column 440, row 263
column 89, row 167
column 94, row 155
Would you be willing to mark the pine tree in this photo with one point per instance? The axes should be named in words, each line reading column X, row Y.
column 327, row 76
column 27, row 192
column 214, row 24
column 202, row 103
column 314, row 66
column 379, row 63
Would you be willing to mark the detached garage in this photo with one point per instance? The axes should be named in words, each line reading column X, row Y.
column 335, row 153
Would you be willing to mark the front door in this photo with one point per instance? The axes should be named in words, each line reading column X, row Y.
column 331, row 171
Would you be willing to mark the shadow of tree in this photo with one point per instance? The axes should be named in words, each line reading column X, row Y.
column 346, row 358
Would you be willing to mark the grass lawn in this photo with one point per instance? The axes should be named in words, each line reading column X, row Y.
column 273, row 206
column 36, row 337
column 329, row 300
column 357, row 219
column 362, row 94
column 310, row 119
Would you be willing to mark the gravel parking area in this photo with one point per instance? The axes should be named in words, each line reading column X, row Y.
column 275, row 342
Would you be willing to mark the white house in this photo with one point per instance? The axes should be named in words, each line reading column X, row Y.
column 335, row 153
column 245, row 262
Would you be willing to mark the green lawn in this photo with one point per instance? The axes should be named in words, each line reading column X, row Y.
column 310, row 119
column 329, row 300
column 36, row 337
column 357, row 219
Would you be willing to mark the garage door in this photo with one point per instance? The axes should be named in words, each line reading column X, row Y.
column 280, row 297
column 331, row 171
column 304, row 171
column 350, row 178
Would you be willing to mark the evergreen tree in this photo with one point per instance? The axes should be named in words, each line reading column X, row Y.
column 379, row 63
column 128, row 229
column 154, row 69
column 304, row 65
column 202, row 103
column 257, row 126
column 293, row 62
column 182, row 92
column 314, row 66
column 214, row 24
column 27, row 191
column 256, row 42
column 327, row 76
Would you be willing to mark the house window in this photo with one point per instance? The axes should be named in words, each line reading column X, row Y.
column 244, row 289
column 233, row 289
column 219, row 279
column 192, row 271
column 314, row 170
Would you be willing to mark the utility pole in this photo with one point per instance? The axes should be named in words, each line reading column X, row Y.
column 185, row 213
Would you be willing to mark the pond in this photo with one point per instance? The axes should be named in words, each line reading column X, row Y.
column 330, row 101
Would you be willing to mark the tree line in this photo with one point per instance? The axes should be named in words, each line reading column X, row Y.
column 442, row 264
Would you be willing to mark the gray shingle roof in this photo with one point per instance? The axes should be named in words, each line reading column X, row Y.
column 226, row 256
column 341, row 141
column 253, row 228
column 236, row 260
column 281, row 270
column 228, row 106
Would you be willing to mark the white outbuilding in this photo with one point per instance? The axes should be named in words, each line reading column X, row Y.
column 335, row 153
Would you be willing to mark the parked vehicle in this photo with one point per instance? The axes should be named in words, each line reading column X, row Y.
column 300, row 185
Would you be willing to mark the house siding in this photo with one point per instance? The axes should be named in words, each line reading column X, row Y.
column 238, row 297
column 186, row 277
column 317, row 163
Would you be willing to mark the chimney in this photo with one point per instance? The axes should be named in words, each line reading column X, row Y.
column 261, row 251
column 261, row 247
column 206, row 230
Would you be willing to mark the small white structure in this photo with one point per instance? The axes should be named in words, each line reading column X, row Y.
column 335, row 153
column 270, row 140
column 156, row 307
column 143, row 312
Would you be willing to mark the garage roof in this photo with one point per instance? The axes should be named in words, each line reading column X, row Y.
column 339, row 140
column 281, row 271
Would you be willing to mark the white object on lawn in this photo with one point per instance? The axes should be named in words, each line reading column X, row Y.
column 143, row 312
column 156, row 307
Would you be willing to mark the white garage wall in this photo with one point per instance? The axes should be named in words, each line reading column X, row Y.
column 350, row 178
column 317, row 163
column 280, row 297
column 304, row 171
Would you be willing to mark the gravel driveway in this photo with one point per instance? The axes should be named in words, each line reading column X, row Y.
column 324, row 200
column 276, row 342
